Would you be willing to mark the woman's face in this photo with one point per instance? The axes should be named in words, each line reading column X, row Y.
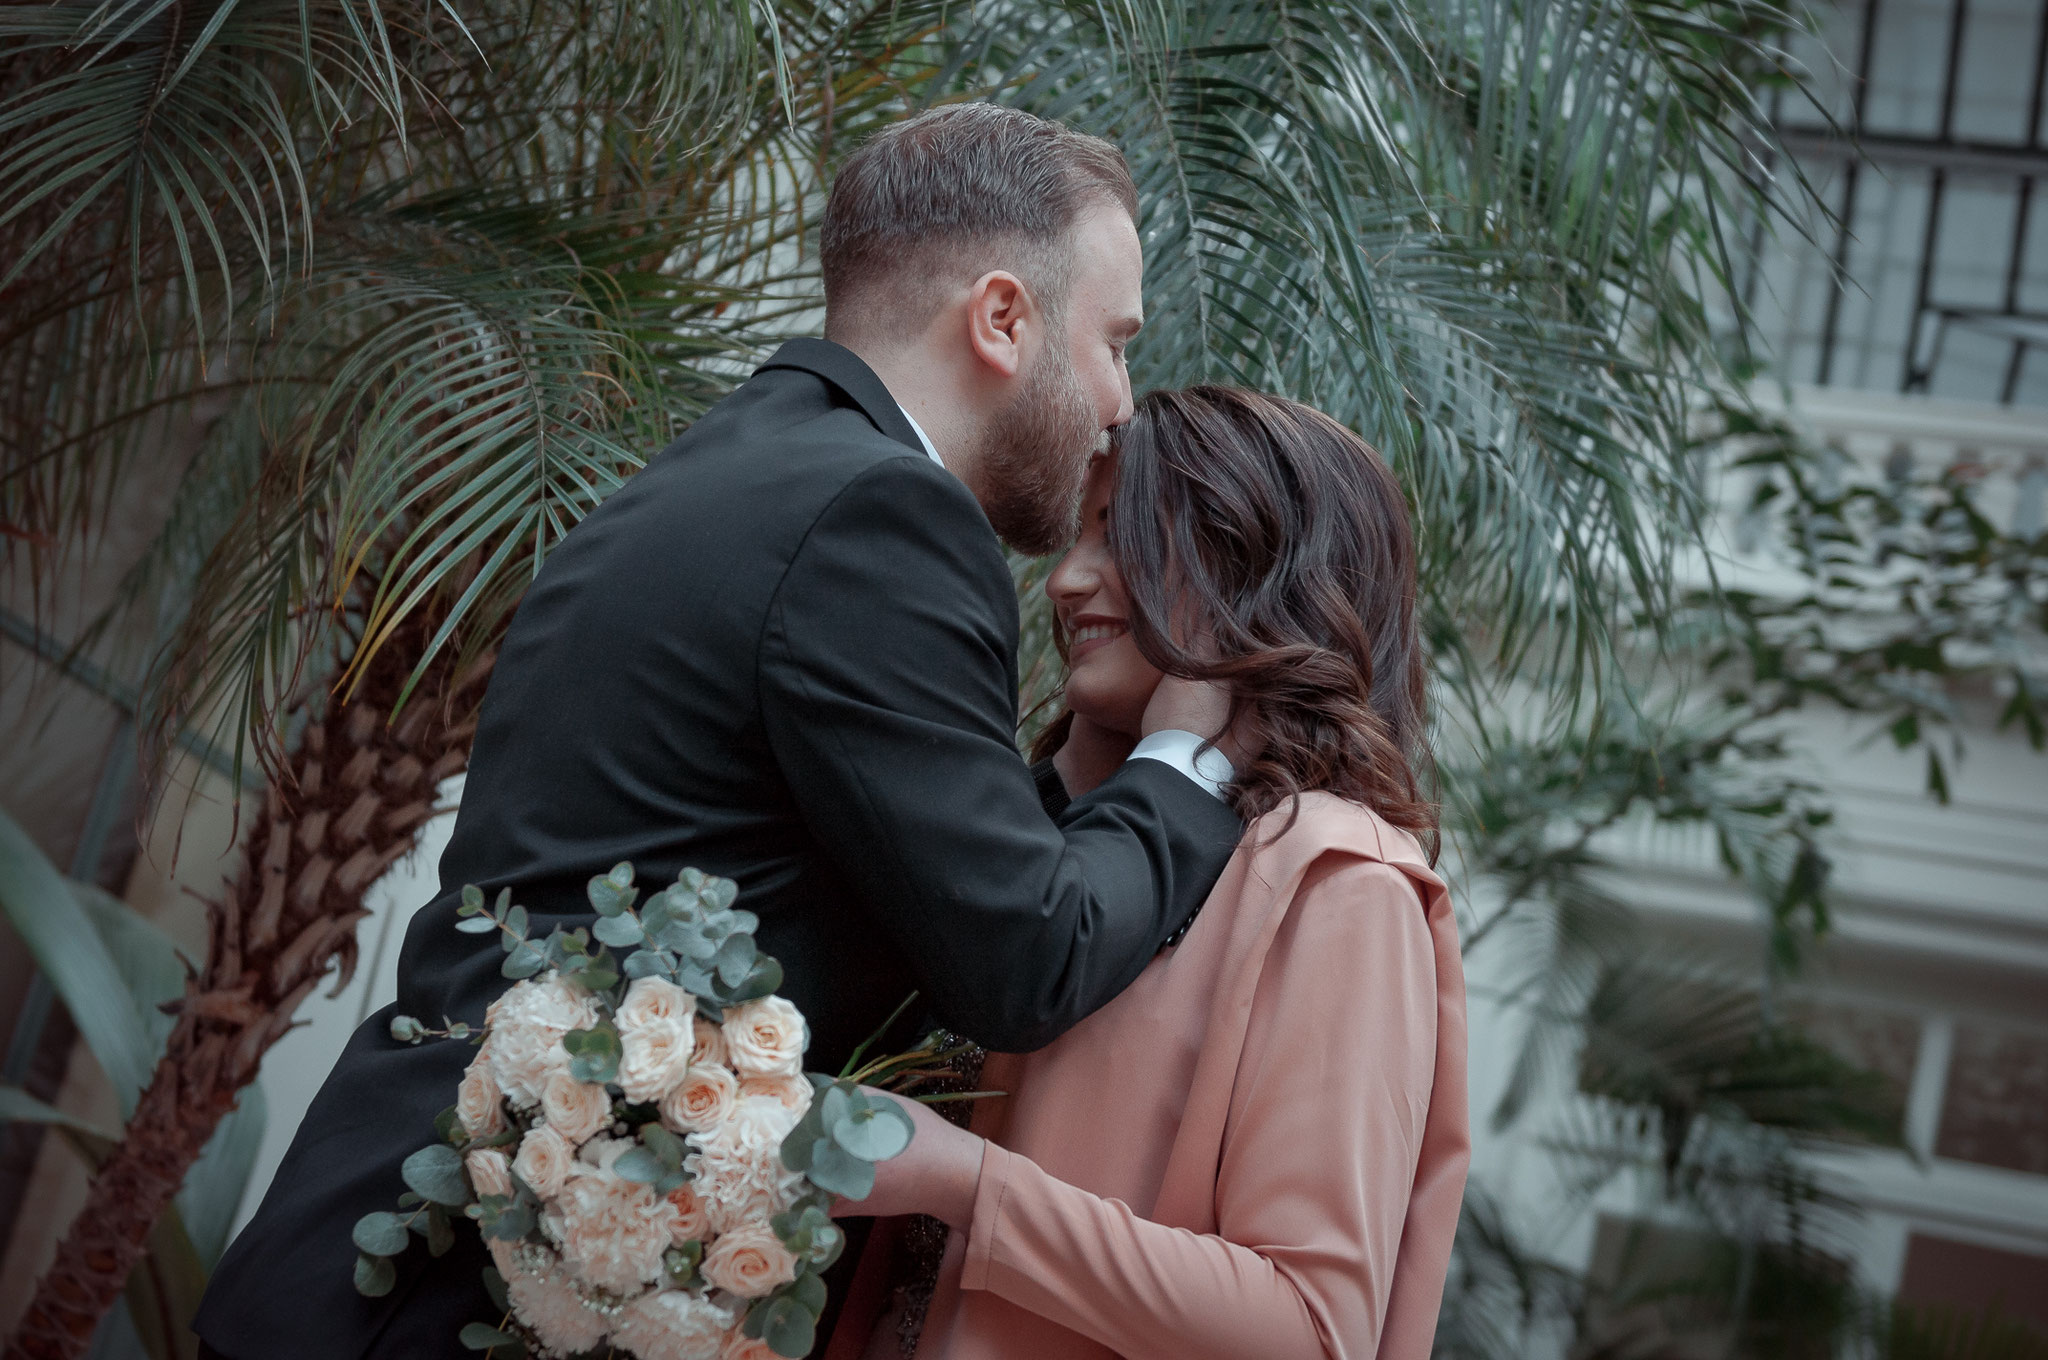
column 1108, row 682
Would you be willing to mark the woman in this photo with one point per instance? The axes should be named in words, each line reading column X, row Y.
column 1258, row 1150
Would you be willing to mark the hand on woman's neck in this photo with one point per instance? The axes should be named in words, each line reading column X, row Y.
column 1091, row 754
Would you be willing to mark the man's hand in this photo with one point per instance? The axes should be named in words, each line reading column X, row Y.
column 1198, row 706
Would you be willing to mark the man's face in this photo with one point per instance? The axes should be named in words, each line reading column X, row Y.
column 1034, row 455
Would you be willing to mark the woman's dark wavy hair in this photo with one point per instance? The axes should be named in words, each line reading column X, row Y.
column 1280, row 538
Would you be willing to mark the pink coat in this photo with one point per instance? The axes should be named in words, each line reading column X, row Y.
column 1258, row 1151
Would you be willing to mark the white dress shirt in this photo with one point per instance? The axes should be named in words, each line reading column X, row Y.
column 1182, row 750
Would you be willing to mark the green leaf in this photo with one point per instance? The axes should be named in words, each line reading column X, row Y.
column 765, row 979
column 380, row 1234
column 789, row 1328
column 808, row 1290
column 667, row 1148
column 525, row 958
column 477, row 925
column 481, row 1336
column 440, row 1232
column 620, row 931
column 375, row 1275
column 472, row 900
column 593, row 1053
column 839, row 1171
column 638, row 1164
column 875, row 1132
column 800, row 1142
column 735, row 960
column 434, row 1173
column 18, row 1106
column 40, row 904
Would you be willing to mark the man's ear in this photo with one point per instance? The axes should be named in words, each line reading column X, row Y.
column 1001, row 314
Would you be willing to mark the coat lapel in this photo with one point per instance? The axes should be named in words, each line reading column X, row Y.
column 845, row 370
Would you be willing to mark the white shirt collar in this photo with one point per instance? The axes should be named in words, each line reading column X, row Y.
column 922, row 437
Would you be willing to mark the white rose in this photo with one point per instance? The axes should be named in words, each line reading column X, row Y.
column 674, row 1324
column 544, row 1160
column 691, row 1224
column 710, row 1044
column 749, row 1261
column 738, row 1170
column 575, row 1109
column 701, row 1101
column 526, row 1029
column 611, row 1231
column 766, row 1037
column 489, row 1172
column 785, row 1087
column 478, row 1102
column 653, row 1058
column 655, row 1001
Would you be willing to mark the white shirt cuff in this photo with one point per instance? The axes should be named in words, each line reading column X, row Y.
column 1183, row 750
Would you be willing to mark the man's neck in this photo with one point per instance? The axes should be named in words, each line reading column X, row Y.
column 922, row 385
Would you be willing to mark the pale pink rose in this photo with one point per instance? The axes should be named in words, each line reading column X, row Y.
column 740, row 1346
column 786, row 1088
column 526, row 1029
column 575, row 1109
column 544, row 1160
column 691, row 1225
column 765, row 1037
column 654, row 1059
column 738, row 1171
column 701, row 1101
column 655, row 1001
column 710, row 1044
column 545, row 1301
column 611, row 1231
column 489, row 1172
column 674, row 1324
column 478, row 1103
column 749, row 1261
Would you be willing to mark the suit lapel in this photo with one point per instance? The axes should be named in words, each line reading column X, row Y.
column 844, row 369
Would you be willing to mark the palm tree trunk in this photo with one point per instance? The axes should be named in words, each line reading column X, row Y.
column 346, row 803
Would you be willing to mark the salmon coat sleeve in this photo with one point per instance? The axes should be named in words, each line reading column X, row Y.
column 1325, row 1130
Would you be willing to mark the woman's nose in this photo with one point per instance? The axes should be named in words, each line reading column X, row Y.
column 1071, row 581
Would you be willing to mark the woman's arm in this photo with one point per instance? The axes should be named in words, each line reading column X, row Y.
column 1325, row 1130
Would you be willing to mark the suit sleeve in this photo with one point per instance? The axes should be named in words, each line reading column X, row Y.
column 1319, row 1162
column 888, row 690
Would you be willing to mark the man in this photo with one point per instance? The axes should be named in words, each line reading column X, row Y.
column 786, row 652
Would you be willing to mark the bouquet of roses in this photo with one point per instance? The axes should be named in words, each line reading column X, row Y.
column 637, row 1140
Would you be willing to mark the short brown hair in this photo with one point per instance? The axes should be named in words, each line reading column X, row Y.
column 954, row 189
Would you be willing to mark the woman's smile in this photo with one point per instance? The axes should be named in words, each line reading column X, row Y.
column 1088, row 633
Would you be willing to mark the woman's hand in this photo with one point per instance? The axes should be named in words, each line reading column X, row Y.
column 937, row 1174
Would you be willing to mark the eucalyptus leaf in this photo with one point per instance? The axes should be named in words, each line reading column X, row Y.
column 440, row 1232
column 476, row 925
column 620, row 932
column 375, row 1275
column 524, row 960
column 380, row 1234
column 789, row 1328
column 434, row 1173
column 839, row 1171
column 876, row 1132
column 638, row 1164
column 481, row 1336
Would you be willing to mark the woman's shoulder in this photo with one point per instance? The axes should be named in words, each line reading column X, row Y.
column 1320, row 824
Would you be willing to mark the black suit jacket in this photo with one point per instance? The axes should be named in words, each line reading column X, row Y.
column 786, row 652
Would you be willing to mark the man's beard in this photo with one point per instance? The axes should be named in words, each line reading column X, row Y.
column 1033, row 458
